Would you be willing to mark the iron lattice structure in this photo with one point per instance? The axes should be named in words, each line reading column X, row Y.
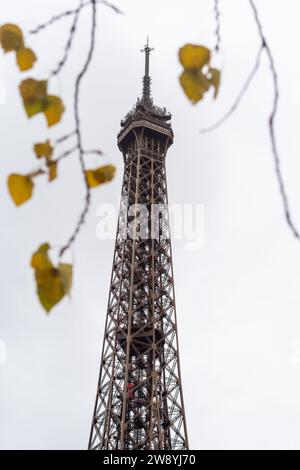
column 139, row 402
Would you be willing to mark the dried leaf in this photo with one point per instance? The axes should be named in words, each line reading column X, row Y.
column 43, row 149
column 215, row 80
column 52, row 166
column 53, row 110
column 66, row 274
column 33, row 90
column 50, row 289
column 193, row 56
column 40, row 259
column 195, row 84
column 20, row 188
column 52, row 283
column 25, row 58
column 101, row 175
column 198, row 76
column 34, row 94
column 11, row 37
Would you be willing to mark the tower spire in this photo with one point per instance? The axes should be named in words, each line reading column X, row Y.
column 146, row 97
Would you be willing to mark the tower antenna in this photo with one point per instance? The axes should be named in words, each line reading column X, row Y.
column 146, row 97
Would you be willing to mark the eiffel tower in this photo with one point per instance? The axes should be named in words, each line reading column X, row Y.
column 139, row 401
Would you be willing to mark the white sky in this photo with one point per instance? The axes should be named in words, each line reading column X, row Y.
column 238, row 297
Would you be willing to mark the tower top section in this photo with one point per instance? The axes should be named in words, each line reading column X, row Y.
column 145, row 114
column 146, row 97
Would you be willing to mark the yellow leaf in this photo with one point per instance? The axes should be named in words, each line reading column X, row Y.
column 52, row 283
column 33, row 108
column 194, row 84
column 20, row 188
column 53, row 110
column 33, row 90
column 34, row 94
column 101, row 175
column 194, row 57
column 43, row 149
column 215, row 80
column 11, row 37
column 66, row 275
column 40, row 259
column 50, row 288
column 52, row 166
column 25, row 58
column 36, row 100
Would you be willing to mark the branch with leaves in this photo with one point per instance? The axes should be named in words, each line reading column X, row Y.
column 54, row 282
column 198, row 77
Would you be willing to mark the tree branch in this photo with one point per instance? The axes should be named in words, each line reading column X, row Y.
column 69, row 42
column 240, row 96
column 66, row 154
column 272, row 123
column 218, row 25
column 64, row 138
column 67, row 13
column 93, row 152
column 78, row 131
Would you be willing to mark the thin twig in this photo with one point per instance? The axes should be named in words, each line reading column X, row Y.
column 66, row 153
column 54, row 19
column 68, row 46
column 240, row 96
column 64, row 138
column 112, row 6
column 42, row 170
column 78, row 130
column 272, row 123
column 218, row 25
column 67, row 13
column 73, row 149
column 36, row 173
column 93, row 152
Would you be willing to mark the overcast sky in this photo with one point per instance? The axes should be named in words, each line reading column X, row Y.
column 238, row 297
